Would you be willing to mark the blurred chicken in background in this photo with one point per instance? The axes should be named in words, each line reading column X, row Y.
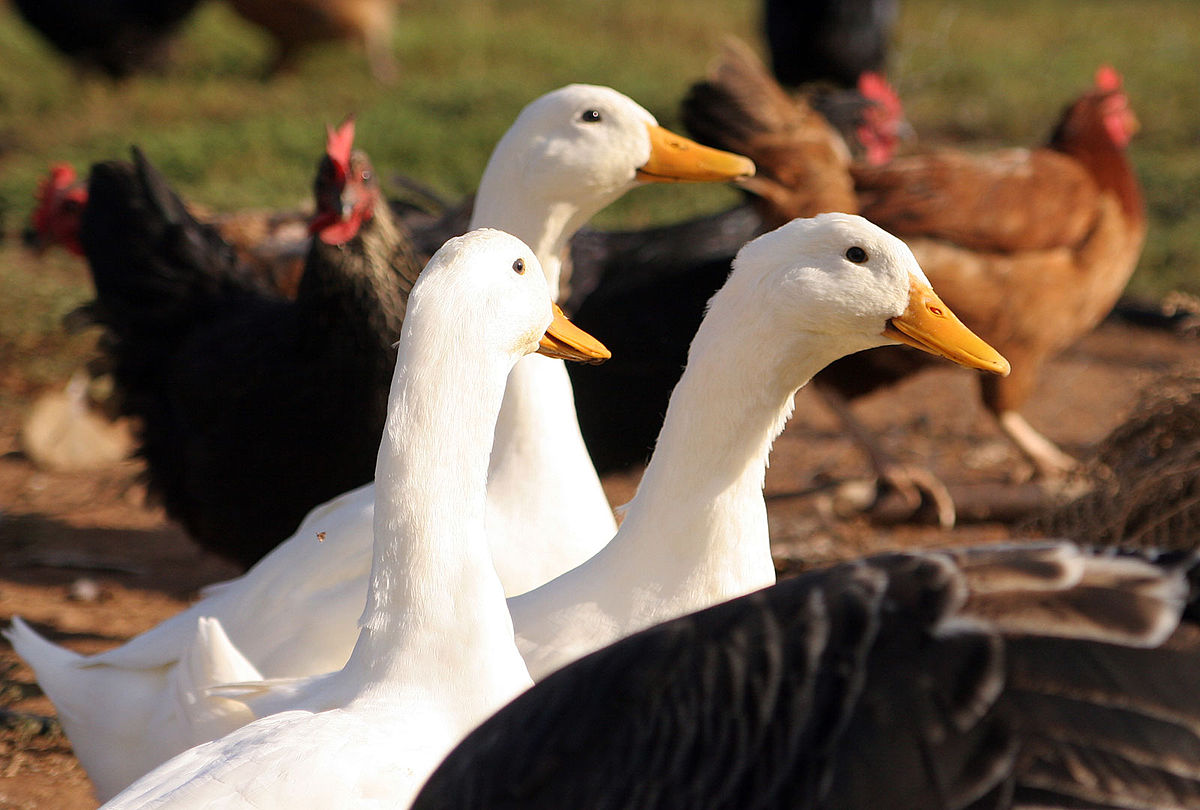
column 833, row 41
column 297, row 24
column 834, row 54
column 116, row 38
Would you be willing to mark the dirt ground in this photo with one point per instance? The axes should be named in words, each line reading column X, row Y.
column 89, row 564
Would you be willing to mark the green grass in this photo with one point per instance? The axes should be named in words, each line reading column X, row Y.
column 980, row 72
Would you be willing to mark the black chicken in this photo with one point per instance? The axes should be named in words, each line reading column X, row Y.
column 114, row 37
column 253, row 408
column 828, row 40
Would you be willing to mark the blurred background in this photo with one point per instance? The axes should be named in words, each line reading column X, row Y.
column 978, row 73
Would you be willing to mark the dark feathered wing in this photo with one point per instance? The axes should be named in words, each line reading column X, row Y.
column 155, row 267
column 871, row 685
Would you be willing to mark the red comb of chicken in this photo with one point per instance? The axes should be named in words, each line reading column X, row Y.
column 1107, row 78
column 60, row 198
column 340, row 141
column 1119, row 119
column 876, row 88
column 883, row 119
column 61, row 176
column 50, row 189
column 344, row 203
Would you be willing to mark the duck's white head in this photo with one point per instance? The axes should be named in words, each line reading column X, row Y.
column 494, row 283
column 576, row 149
column 844, row 282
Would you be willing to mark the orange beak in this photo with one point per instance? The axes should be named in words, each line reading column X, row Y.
column 674, row 158
column 929, row 325
column 566, row 341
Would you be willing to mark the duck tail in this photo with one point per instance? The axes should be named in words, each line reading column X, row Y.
column 210, row 660
column 56, row 668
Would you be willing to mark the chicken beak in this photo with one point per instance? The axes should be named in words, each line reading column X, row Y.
column 929, row 325
column 566, row 341
column 674, row 158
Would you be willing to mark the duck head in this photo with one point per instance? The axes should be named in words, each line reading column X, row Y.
column 575, row 150
column 841, row 281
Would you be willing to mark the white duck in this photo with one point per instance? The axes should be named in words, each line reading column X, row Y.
column 295, row 613
column 696, row 533
column 435, row 655
column 569, row 154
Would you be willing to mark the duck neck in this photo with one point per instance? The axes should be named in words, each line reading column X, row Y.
column 546, row 231
column 434, row 600
column 700, row 503
column 544, row 493
column 511, row 198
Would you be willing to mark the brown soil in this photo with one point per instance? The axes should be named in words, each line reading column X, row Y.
column 84, row 560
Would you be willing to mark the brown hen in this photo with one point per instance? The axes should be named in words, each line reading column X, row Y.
column 1032, row 247
column 297, row 24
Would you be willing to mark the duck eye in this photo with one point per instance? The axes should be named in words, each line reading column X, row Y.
column 856, row 254
column 519, row 267
column 366, row 175
column 590, row 116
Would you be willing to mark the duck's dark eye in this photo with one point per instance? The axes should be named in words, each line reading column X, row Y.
column 366, row 175
column 590, row 116
column 519, row 267
column 856, row 254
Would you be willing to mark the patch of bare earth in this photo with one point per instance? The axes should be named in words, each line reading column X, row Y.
column 88, row 564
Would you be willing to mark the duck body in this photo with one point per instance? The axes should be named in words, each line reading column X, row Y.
column 696, row 531
column 678, row 268
column 324, row 741
column 435, row 654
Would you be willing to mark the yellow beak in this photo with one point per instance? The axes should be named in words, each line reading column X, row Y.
column 567, row 341
column 674, row 158
column 929, row 325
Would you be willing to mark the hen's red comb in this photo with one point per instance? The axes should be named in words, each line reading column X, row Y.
column 339, row 141
column 872, row 84
column 1107, row 78
column 876, row 88
column 61, row 176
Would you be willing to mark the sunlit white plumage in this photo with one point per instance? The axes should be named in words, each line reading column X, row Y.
column 435, row 655
column 696, row 531
column 295, row 613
